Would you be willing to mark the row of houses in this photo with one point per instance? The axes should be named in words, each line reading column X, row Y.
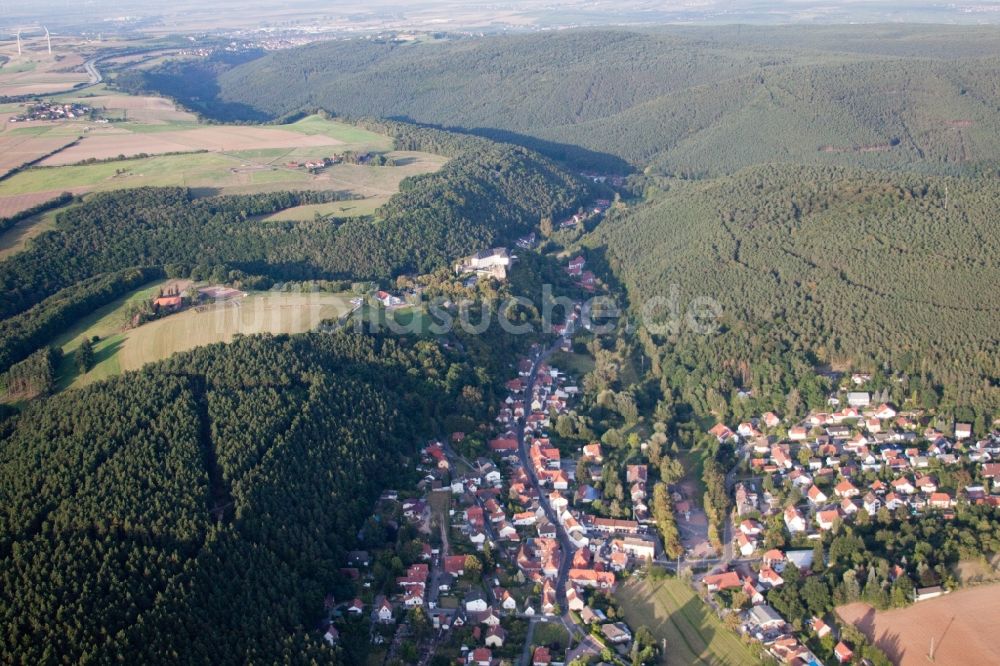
column 761, row 622
column 843, row 463
column 862, row 456
column 601, row 547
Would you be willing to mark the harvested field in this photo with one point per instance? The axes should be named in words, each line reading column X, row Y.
column 37, row 72
column 219, row 322
column 13, row 205
column 961, row 623
column 18, row 149
column 34, row 74
column 214, row 139
column 142, row 109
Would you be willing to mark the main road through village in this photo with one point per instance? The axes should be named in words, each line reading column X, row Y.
column 565, row 546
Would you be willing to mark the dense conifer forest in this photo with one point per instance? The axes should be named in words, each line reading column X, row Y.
column 198, row 510
column 835, row 266
column 688, row 101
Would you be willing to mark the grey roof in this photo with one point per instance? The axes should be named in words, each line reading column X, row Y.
column 764, row 614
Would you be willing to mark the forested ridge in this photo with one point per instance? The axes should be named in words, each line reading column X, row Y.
column 837, row 266
column 199, row 510
column 689, row 101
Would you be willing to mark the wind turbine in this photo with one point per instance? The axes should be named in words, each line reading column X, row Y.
column 18, row 41
column 48, row 39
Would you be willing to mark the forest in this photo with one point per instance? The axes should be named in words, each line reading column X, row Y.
column 818, row 267
column 199, row 510
column 689, row 101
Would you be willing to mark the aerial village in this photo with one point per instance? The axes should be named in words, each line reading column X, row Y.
column 54, row 111
column 863, row 456
column 516, row 567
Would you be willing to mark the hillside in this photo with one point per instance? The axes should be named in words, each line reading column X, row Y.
column 217, row 489
column 691, row 101
column 831, row 265
column 487, row 193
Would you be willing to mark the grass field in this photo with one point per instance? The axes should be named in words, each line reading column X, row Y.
column 673, row 612
column 107, row 323
column 352, row 208
column 962, row 625
column 120, row 350
column 236, row 160
column 17, row 237
column 577, row 364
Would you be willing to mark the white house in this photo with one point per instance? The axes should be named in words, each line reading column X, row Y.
column 746, row 544
column 794, row 520
column 383, row 612
column 816, row 496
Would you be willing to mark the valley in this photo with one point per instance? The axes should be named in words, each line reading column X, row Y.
column 657, row 344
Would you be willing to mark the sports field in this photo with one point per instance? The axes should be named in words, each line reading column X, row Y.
column 962, row 625
column 673, row 612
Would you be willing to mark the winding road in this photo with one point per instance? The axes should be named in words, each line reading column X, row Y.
column 95, row 75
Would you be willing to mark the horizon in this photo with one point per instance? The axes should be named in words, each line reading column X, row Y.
column 314, row 16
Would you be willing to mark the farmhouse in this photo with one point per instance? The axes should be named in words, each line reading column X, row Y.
column 168, row 302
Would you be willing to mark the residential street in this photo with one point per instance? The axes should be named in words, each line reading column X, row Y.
column 565, row 546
